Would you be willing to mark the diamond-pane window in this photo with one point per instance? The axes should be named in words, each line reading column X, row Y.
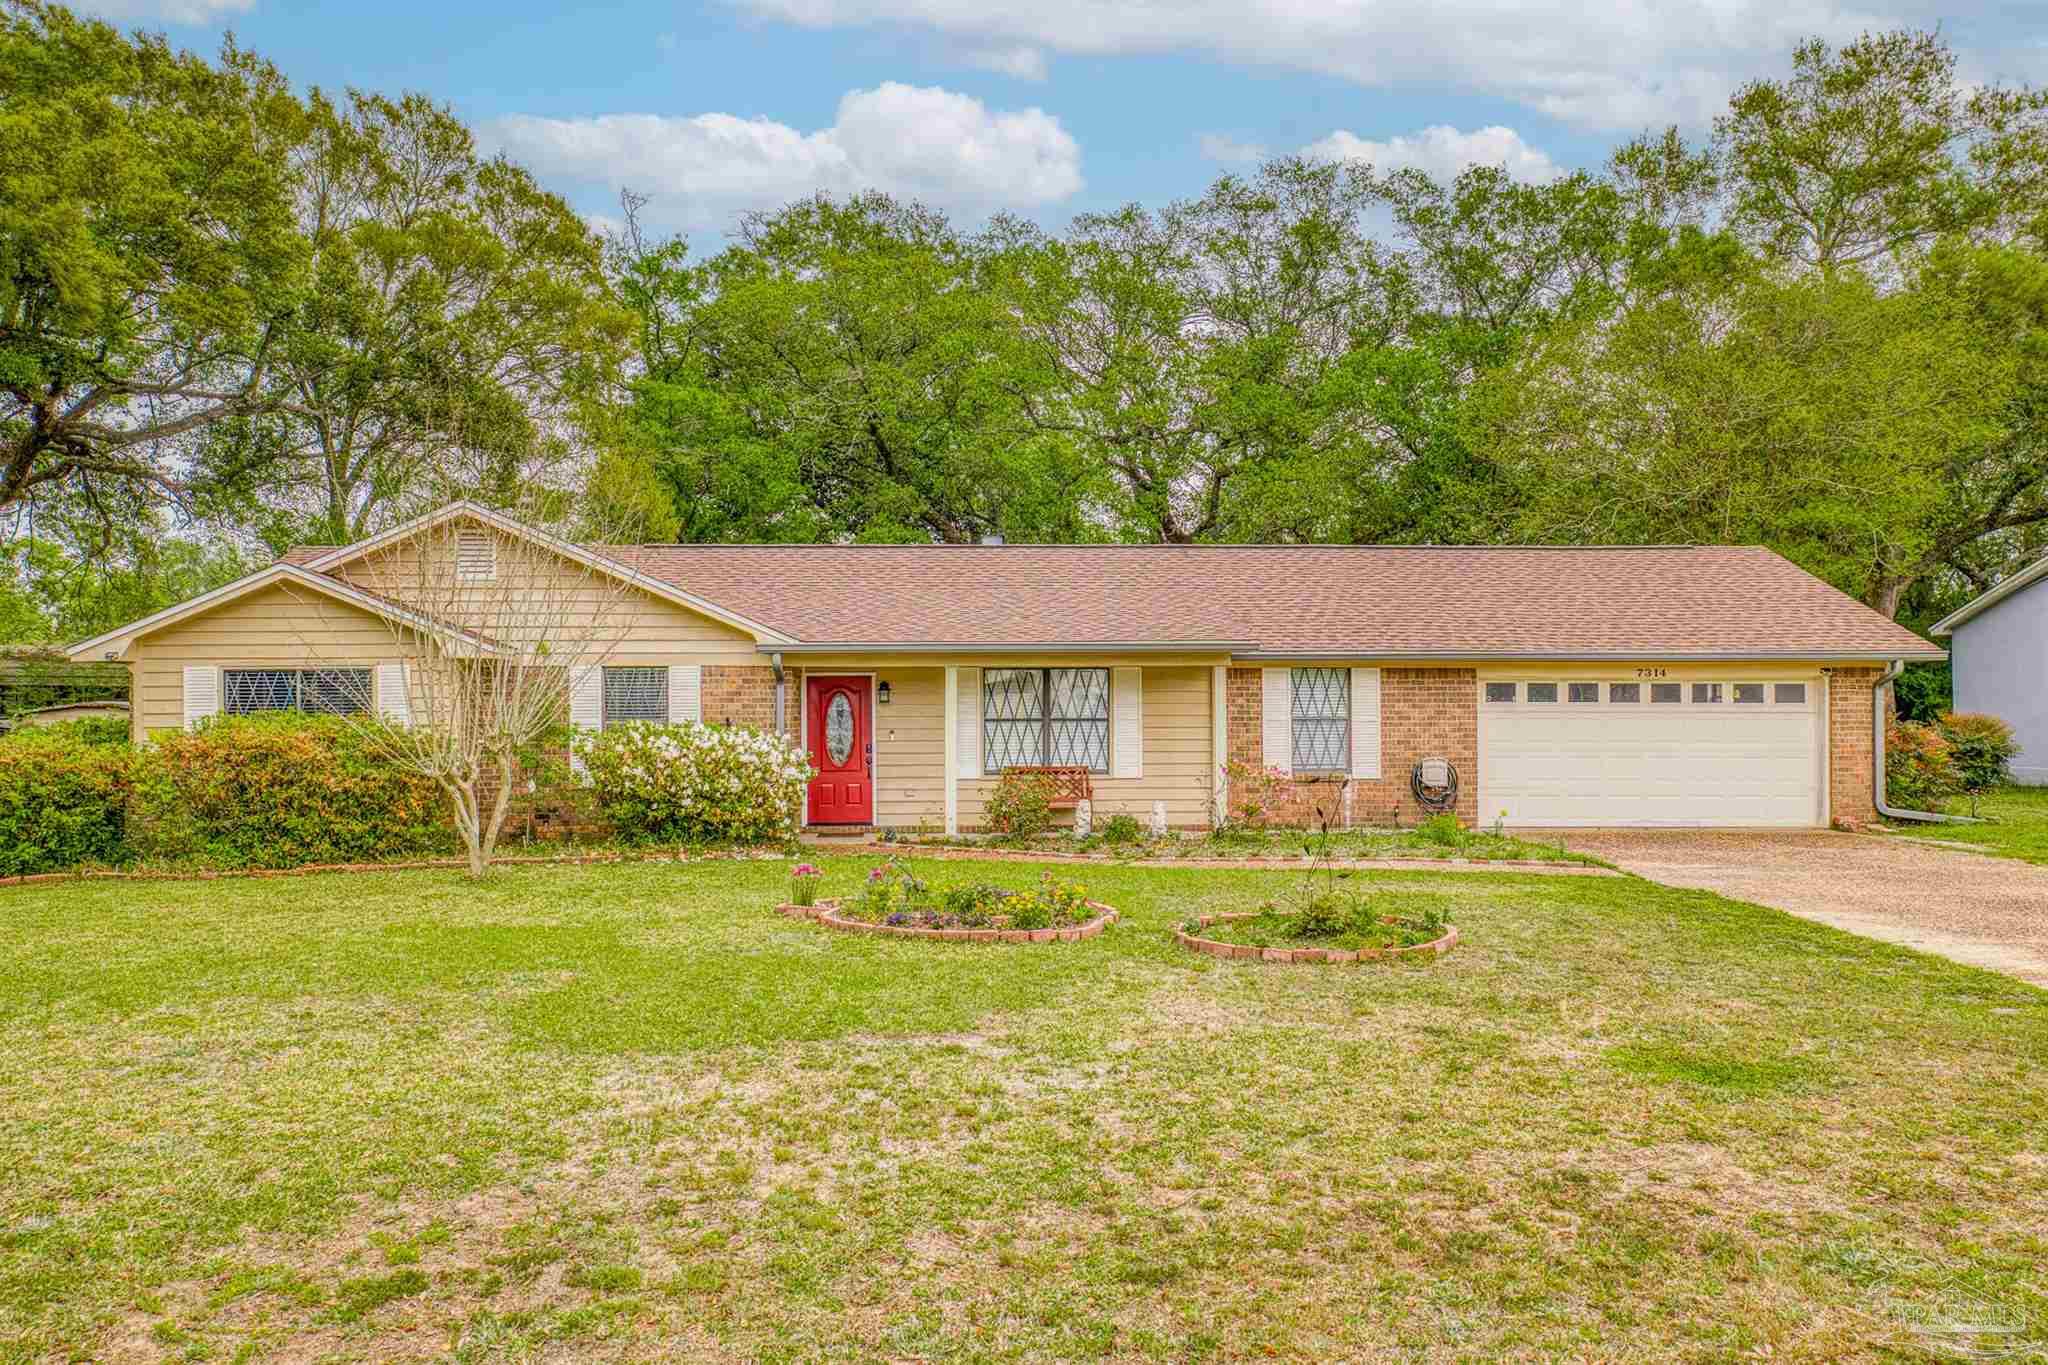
column 637, row 693
column 1322, row 719
column 322, row 691
column 1031, row 717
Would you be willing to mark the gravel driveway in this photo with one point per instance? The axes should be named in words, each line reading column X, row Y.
column 1986, row 911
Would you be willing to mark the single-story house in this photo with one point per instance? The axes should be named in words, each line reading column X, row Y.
column 1690, row 685
column 1998, row 652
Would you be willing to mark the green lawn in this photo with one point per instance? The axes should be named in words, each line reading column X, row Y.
column 627, row 1113
column 2017, row 826
column 1441, row 842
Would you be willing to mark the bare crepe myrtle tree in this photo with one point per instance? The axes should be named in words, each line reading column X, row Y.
column 489, row 627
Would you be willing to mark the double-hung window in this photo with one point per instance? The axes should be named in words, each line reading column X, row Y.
column 1037, row 717
column 1322, row 720
column 635, row 693
column 321, row 691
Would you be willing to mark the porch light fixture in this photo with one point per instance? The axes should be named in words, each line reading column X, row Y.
column 882, row 694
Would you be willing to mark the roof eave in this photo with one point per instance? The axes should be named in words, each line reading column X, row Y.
column 1596, row 655
column 1006, row 647
column 1991, row 597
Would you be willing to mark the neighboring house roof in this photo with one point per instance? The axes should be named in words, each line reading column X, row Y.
column 113, row 643
column 1294, row 601
column 1985, row 601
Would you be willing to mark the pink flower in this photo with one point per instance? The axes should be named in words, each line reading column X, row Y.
column 806, row 870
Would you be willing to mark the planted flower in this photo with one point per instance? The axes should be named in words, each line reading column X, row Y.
column 803, row 884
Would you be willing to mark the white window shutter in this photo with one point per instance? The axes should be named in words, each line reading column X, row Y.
column 1365, row 722
column 202, row 694
column 967, row 740
column 1127, row 745
column 586, row 706
column 1278, row 718
column 394, row 696
column 685, row 693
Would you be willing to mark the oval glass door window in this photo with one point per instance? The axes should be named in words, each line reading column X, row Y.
column 839, row 728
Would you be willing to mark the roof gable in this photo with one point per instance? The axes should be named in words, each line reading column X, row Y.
column 325, row 560
column 114, row 643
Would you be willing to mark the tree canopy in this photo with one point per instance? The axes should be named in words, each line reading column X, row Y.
column 234, row 315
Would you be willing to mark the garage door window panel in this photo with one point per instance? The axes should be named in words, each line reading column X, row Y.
column 1749, row 694
column 1582, row 693
column 1542, row 692
column 1709, row 694
column 1500, row 692
column 1790, row 694
column 1625, row 694
column 1666, row 694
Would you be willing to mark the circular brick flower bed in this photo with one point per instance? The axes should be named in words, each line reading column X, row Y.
column 1218, row 948
column 826, row 912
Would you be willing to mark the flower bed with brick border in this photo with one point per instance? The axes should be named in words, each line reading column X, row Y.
column 1218, row 948
column 826, row 912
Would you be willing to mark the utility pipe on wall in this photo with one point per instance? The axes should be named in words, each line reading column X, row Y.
column 781, row 694
column 1878, row 712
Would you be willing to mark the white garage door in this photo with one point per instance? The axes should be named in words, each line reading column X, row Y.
column 1595, row 751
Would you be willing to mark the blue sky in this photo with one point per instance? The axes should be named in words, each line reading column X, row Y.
column 1051, row 107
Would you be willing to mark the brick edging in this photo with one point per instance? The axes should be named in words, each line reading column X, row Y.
column 1218, row 948
column 824, row 912
column 1243, row 864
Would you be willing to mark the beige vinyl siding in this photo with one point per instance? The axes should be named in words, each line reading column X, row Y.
column 910, row 748
column 1177, row 725
column 282, row 626
column 637, row 626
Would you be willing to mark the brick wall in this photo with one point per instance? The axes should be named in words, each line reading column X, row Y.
column 739, row 694
column 1851, row 759
column 1424, row 713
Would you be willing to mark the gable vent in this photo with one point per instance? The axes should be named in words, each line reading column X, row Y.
column 476, row 556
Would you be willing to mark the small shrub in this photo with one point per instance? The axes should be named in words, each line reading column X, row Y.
column 63, row 799
column 1021, row 805
column 282, row 789
column 1122, row 829
column 1442, row 830
column 892, row 894
column 695, row 783
column 84, row 730
column 1981, row 749
column 1919, row 768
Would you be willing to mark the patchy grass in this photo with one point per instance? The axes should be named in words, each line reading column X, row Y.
column 2016, row 827
column 623, row 1113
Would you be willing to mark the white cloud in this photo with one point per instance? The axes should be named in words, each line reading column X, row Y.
column 1224, row 147
column 947, row 149
column 1596, row 63
column 1023, row 61
column 166, row 11
column 1441, row 151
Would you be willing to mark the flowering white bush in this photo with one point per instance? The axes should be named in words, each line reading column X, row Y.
column 692, row 782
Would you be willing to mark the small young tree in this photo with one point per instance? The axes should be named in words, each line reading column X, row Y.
column 1981, row 748
column 490, row 628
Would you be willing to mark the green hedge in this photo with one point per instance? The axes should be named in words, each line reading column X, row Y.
column 63, row 800
column 281, row 790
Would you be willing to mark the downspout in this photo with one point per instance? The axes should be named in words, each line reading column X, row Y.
column 1878, row 711
column 781, row 694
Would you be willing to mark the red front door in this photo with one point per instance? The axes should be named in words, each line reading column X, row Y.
column 842, row 750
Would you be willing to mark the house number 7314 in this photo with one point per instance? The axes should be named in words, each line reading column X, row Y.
column 1649, row 673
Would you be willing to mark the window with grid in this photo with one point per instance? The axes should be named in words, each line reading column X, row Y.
column 320, row 691
column 635, row 693
column 1322, row 720
column 1032, row 717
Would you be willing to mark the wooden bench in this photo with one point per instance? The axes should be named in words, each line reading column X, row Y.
column 1070, row 785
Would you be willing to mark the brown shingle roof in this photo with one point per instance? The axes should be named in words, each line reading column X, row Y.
column 1649, row 602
